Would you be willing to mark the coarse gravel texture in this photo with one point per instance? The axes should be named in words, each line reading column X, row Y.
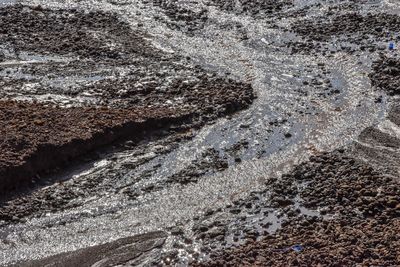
column 356, row 218
column 245, row 188
column 158, row 87
column 386, row 75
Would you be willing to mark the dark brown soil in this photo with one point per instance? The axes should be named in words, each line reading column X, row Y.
column 256, row 8
column 156, row 90
column 385, row 75
column 210, row 162
column 35, row 137
column 339, row 208
column 351, row 33
column 360, row 208
column 96, row 35
column 179, row 17
column 203, row 94
column 378, row 25
column 328, row 243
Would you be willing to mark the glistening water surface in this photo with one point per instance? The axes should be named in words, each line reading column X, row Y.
column 305, row 104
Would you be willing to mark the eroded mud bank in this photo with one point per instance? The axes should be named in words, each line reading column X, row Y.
column 289, row 180
column 159, row 91
column 36, row 138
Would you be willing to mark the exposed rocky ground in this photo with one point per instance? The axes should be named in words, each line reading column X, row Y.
column 258, row 8
column 352, row 32
column 36, row 138
column 135, row 131
column 95, row 34
column 362, row 26
column 385, row 75
column 353, row 218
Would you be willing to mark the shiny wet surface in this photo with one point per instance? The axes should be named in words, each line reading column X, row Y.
column 289, row 121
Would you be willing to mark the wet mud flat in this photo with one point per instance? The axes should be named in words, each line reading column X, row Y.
column 38, row 137
column 340, row 207
column 253, row 189
column 336, row 210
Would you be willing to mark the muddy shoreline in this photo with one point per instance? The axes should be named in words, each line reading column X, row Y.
column 352, row 218
column 44, row 157
column 249, row 133
column 40, row 143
